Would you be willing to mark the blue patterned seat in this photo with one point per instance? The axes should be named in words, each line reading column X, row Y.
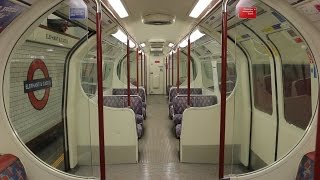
column 180, row 104
column 121, row 101
column 174, row 92
column 11, row 168
column 133, row 91
column 306, row 167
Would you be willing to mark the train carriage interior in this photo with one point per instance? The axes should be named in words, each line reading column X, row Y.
column 170, row 90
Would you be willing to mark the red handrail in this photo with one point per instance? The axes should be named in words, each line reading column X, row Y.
column 316, row 170
column 178, row 70
column 169, row 70
column 100, row 95
column 189, row 59
column 172, row 68
column 166, row 74
column 142, row 78
column 137, row 70
column 145, row 74
column 128, row 72
column 223, row 92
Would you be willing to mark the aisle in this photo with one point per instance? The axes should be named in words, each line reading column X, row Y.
column 158, row 153
column 158, row 145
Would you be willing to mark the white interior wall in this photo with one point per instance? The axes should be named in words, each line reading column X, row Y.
column 119, row 124
column 286, row 167
column 9, row 143
column 238, row 105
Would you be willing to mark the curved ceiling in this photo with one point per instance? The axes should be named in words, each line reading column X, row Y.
column 170, row 33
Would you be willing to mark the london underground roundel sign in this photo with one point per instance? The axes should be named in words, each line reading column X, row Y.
column 31, row 84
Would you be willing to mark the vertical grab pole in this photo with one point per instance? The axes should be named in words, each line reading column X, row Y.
column 189, row 59
column 223, row 87
column 172, row 68
column 137, row 70
column 169, row 70
column 145, row 74
column 178, row 70
column 128, row 71
column 166, row 75
column 100, row 93
column 142, row 78
column 317, row 157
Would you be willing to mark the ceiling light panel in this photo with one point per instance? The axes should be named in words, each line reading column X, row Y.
column 199, row 7
column 193, row 37
column 119, row 8
column 171, row 45
column 143, row 45
column 123, row 38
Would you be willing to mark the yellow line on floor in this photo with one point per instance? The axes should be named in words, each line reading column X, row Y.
column 57, row 162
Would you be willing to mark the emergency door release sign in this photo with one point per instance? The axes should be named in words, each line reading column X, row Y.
column 247, row 12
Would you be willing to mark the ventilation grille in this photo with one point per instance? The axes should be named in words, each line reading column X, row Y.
column 158, row 19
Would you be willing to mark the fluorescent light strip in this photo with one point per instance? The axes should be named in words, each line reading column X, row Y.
column 199, row 7
column 171, row 45
column 123, row 38
column 184, row 43
column 119, row 8
column 193, row 37
column 143, row 45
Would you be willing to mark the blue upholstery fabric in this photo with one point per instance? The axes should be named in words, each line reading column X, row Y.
column 140, row 130
column 180, row 103
column 144, row 113
column 183, row 91
column 139, row 119
column 121, row 101
column 114, row 101
column 203, row 101
column 171, row 112
column 11, row 168
column 133, row 91
column 178, row 130
column 174, row 92
column 177, row 118
column 306, row 167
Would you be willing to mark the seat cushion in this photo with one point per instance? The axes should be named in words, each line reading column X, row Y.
column 177, row 119
column 139, row 119
column 11, row 168
column 144, row 113
column 140, row 130
column 178, row 130
column 171, row 112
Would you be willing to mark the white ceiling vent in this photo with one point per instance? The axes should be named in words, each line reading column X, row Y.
column 158, row 19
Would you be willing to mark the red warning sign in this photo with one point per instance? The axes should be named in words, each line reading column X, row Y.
column 32, row 84
column 247, row 12
column 157, row 62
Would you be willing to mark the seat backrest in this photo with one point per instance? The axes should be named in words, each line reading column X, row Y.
column 133, row 91
column 136, row 104
column 203, row 101
column 180, row 103
column 11, row 168
column 174, row 92
column 121, row 101
column 115, row 101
